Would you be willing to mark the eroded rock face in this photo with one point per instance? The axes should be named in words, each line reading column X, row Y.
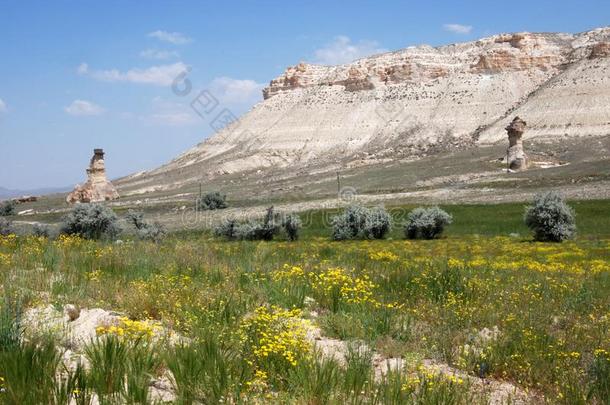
column 600, row 50
column 517, row 159
column 498, row 54
column 97, row 188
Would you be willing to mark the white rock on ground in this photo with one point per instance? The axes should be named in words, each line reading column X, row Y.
column 498, row 392
column 74, row 335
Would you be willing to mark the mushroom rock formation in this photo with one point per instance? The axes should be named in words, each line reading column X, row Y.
column 517, row 160
column 97, row 188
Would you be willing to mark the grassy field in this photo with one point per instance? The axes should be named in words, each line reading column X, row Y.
column 593, row 218
column 495, row 306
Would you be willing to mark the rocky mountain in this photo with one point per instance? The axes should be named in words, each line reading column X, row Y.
column 409, row 104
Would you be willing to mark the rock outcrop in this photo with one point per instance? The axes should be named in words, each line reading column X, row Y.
column 97, row 188
column 600, row 50
column 408, row 104
column 517, row 159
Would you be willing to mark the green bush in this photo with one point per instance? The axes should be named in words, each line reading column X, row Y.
column 212, row 201
column 6, row 227
column 259, row 230
column 7, row 208
column 550, row 218
column 136, row 218
column 426, row 223
column 91, row 221
column 41, row 230
column 227, row 229
column 153, row 231
column 292, row 224
column 378, row 223
column 264, row 229
column 357, row 222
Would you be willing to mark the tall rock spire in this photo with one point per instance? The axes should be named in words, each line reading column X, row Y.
column 97, row 188
column 517, row 159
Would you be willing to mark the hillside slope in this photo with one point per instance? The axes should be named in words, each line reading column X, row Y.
column 406, row 105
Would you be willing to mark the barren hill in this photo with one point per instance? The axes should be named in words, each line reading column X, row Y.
column 407, row 105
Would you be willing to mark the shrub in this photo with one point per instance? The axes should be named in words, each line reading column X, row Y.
column 292, row 225
column 91, row 221
column 251, row 230
column 212, row 201
column 41, row 230
column 136, row 218
column 264, row 229
column 350, row 223
column 7, row 208
column 426, row 223
column 378, row 223
column 275, row 340
column 357, row 222
column 550, row 218
column 259, row 230
column 154, row 231
column 227, row 229
column 6, row 227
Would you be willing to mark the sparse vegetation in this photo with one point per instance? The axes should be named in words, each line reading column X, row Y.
column 91, row 221
column 550, row 219
column 426, row 223
column 212, row 201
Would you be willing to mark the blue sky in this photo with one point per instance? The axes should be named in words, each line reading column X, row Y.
column 75, row 75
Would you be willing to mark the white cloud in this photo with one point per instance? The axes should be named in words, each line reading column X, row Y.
column 458, row 28
column 162, row 75
column 158, row 54
column 343, row 50
column 2, row 106
column 82, row 107
column 175, row 38
column 170, row 113
column 82, row 69
column 236, row 91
